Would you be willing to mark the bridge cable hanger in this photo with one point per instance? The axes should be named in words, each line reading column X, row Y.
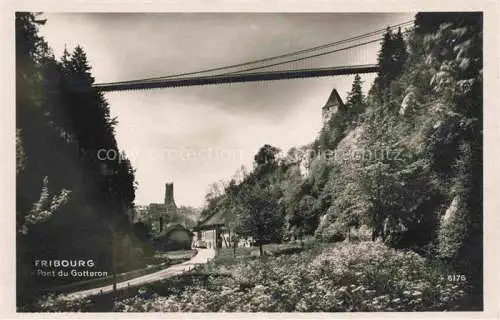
column 180, row 80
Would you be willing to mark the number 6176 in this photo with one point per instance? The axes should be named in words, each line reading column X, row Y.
column 456, row 277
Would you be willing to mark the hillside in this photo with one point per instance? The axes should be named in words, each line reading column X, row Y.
column 402, row 163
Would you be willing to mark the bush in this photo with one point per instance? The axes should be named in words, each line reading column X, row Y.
column 361, row 277
column 285, row 251
column 334, row 232
column 363, row 233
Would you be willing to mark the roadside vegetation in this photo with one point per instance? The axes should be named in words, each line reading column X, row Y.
column 345, row 276
column 363, row 276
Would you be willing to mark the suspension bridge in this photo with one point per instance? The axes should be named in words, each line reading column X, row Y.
column 265, row 69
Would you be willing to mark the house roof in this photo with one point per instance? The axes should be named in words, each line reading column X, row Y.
column 213, row 220
column 171, row 227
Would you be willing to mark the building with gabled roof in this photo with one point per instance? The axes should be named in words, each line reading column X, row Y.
column 174, row 236
column 332, row 106
column 213, row 231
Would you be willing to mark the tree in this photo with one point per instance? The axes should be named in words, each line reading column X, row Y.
column 249, row 201
column 453, row 43
column 355, row 96
column 259, row 217
column 266, row 156
column 385, row 62
column 58, row 132
column 460, row 236
column 45, row 207
column 188, row 215
column 391, row 60
column 213, row 199
column 400, row 53
column 142, row 231
column 215, row 190
column 355, row 103
column 20, row 154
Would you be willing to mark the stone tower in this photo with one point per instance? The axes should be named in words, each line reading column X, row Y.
column 169, row 194
column 161, row 214
column 332, row 106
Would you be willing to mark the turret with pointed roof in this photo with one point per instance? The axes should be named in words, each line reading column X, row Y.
column 333, row 104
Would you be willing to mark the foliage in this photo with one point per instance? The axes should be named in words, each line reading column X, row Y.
column 331, row 231
column 453, row 56
column 259, row 217
column 349, row 277
column 411, row 140
column 266, row 155
column 356, row 103
column 45, row 207
column 391, row 59
column 188, row 215
column 61, row 124
column 419, row 133
column 20, row 154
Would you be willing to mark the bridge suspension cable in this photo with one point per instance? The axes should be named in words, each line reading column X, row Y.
column 238, row 77
column 289, row 54
column 310, row 56
column 246, row 74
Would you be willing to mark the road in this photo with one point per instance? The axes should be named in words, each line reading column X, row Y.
column 203, row 256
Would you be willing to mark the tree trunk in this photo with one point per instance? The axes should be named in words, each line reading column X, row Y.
column 235, row 244
column 261, row 250
column 375, row 233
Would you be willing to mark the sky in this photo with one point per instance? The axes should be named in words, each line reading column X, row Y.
column 194, row 136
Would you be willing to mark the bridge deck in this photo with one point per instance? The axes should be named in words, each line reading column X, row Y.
column 234, row 78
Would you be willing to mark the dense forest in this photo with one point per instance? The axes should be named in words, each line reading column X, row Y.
column 401, row 164
column 70, row 204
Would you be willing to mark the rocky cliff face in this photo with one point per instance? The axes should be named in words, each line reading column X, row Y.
column 404, row 157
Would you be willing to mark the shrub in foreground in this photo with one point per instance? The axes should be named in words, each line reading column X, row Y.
column 346, row 277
